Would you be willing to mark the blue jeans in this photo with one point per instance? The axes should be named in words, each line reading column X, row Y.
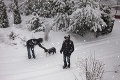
column 30, row 48
column 66, row 59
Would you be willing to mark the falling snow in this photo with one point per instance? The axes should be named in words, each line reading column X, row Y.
column 14, row 64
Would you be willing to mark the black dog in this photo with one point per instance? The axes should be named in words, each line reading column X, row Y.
column 51, row 50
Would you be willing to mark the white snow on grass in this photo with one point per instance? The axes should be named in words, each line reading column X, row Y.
column 14, row 64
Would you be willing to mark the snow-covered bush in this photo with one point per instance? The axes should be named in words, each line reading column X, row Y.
column 4, row 22
column 12, row 36
column 91, row 67
column 16, row 37
column 35, row 24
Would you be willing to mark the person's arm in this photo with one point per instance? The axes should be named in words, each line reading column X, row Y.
column 62, row 48
column 42, row 47
column 72, row 48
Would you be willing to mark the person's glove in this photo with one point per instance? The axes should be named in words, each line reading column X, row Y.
column 45, row 50
column 61, row 51
column 69, row 53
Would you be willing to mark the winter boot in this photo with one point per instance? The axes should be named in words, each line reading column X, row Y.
column 29, row 56
column 34, row 56
column 64, row 67
column 68, row 66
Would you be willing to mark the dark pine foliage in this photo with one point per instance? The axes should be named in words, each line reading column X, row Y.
column 4, row 22
column 17, row 17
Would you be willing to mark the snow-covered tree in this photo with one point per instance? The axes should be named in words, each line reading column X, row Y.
column 4, row 22
column 46, row 8
column 107, row 16
column 61, row 22
column 64, row 9
column 17, row 17
column 86, row 17
column 11, row 6
column 31, row 6
column 64, row 6
column 35, row 24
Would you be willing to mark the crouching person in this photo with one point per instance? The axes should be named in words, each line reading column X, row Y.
column 31, row 44
column 67, row 49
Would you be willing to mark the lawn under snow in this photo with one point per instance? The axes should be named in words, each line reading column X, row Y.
column 14, row 64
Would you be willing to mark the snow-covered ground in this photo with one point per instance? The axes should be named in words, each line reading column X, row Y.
column 14, row 64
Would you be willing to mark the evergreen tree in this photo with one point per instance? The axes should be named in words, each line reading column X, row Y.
column 87, row 17
column 61, row 22
column 107, row 17
column 4, row 22
column 11, row 6
column 35, row 24
column 64, row 9
column 33, row 6
column 17, row 17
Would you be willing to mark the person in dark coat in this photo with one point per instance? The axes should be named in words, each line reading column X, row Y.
column 31, row 44
column 67, row 49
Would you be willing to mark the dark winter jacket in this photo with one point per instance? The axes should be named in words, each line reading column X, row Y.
column 67, row 47
column 33, row 42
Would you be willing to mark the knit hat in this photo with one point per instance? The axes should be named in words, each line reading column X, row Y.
column 68, row 36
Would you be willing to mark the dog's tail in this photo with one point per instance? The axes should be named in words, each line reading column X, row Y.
column 55, row 50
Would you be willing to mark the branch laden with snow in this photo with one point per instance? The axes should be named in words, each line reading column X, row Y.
column 86, row 19
column 61, row 22
column 35, row 23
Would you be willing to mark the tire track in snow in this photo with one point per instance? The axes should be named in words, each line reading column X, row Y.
column 55, row 69
column 29, row 62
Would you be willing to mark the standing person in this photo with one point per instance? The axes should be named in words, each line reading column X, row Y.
column 30, row 46
column 67, row 49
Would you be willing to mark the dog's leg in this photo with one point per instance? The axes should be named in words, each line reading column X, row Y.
column 46, row 54
column 53, row 52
